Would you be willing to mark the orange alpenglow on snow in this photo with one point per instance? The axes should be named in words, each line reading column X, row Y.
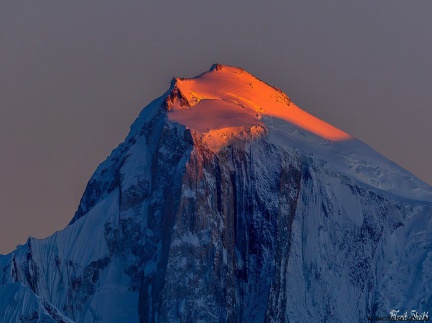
column 228, row 100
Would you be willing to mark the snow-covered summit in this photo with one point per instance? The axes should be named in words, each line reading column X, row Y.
column 228, row 97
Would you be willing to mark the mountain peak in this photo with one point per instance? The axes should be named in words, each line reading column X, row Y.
column 228, row 97
column 172, row 229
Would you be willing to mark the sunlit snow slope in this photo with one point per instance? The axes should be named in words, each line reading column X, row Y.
column 227, row 97
column 228, row 203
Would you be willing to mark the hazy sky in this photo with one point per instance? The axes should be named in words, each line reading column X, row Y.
column 75, row 74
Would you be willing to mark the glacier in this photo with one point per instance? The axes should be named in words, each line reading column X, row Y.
column 228, row 203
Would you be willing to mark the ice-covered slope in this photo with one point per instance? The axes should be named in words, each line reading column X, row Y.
column 227, row 202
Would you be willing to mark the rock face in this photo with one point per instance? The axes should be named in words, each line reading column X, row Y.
column 227, row 203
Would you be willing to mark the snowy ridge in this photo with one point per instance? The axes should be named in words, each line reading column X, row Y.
column 226, row 202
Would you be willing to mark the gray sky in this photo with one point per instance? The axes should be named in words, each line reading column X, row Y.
column 75, row 74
